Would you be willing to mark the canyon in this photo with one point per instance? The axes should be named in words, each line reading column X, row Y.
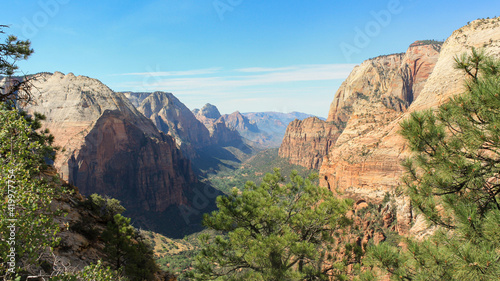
column 110, row 148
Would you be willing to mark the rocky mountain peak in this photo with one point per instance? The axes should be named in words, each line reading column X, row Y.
column 172, row 117
column 110, row 148
column 209, row 111
column 378, row 90
column 239, row 122
column 366, row 158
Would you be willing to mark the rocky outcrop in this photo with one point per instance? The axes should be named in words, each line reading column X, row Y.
column 136, row 98
column 306, row 141
column 119, row 160
column 173, row 118
column 72, row 105
column 80, row 232
column 375, row 93
column 220, row 134
column 246, row 128
column 363, row 159
column 110, row 148
column 208, row 111
column 366, row 158
column 272, row 126
column 240, row 123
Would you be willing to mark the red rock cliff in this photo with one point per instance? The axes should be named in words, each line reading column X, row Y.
column 366, row 158
column 375, row 92
column 108, row 146
column 306, row 141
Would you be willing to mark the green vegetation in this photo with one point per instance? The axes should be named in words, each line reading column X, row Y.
column 274, row 231
column 453, row 180
column 427, row 42
column 12, row 51
column 27, row 225
column 92, row 272
column 28, row 185
column 177, row 255
column 127, row 251
column 253, row 170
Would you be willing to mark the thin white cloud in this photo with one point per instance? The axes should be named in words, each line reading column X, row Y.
column 244, row 90
column 152, row 80
column 264, row 69
column 174, row 73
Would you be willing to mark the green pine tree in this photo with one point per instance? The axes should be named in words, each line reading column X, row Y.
column 26, row 220
column 127, row 250
column 453, row 179
column 118, row 235
column 274, row 231
column 11, row 51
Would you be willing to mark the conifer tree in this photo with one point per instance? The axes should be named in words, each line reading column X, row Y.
column 453, row 180
column 26, row 224
column 274, row 231
column 127, row 250
column 118, row 235
column 11, row 51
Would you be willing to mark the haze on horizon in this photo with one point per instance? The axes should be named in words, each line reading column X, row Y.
column 238, row 55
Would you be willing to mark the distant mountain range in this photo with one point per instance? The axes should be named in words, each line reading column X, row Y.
column 263, row 129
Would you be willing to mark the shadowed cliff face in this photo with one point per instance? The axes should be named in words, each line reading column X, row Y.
column 119, row 160
column 112, row 149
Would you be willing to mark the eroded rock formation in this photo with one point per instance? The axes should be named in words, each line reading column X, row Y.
column 363, row 155
column 173, row 118
column 110, row 148
column 375, row 93
column 220, row 133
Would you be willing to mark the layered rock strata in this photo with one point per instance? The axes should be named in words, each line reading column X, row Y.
column 375, row 93
column 366, row 158
column 110, row 148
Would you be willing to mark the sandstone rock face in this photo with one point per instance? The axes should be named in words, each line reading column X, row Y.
column 375, row 93
column 173, row 118
column 208, row 111
column 246, row 128
column 221, row 134
column 306, row 141
column 109, row 147
column 72, row 105
column 136, row 98
column 119, row 160
column 366, row 158
column 447, row 81
column 239, row 122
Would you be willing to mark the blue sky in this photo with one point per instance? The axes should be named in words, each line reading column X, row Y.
column 237, row 54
